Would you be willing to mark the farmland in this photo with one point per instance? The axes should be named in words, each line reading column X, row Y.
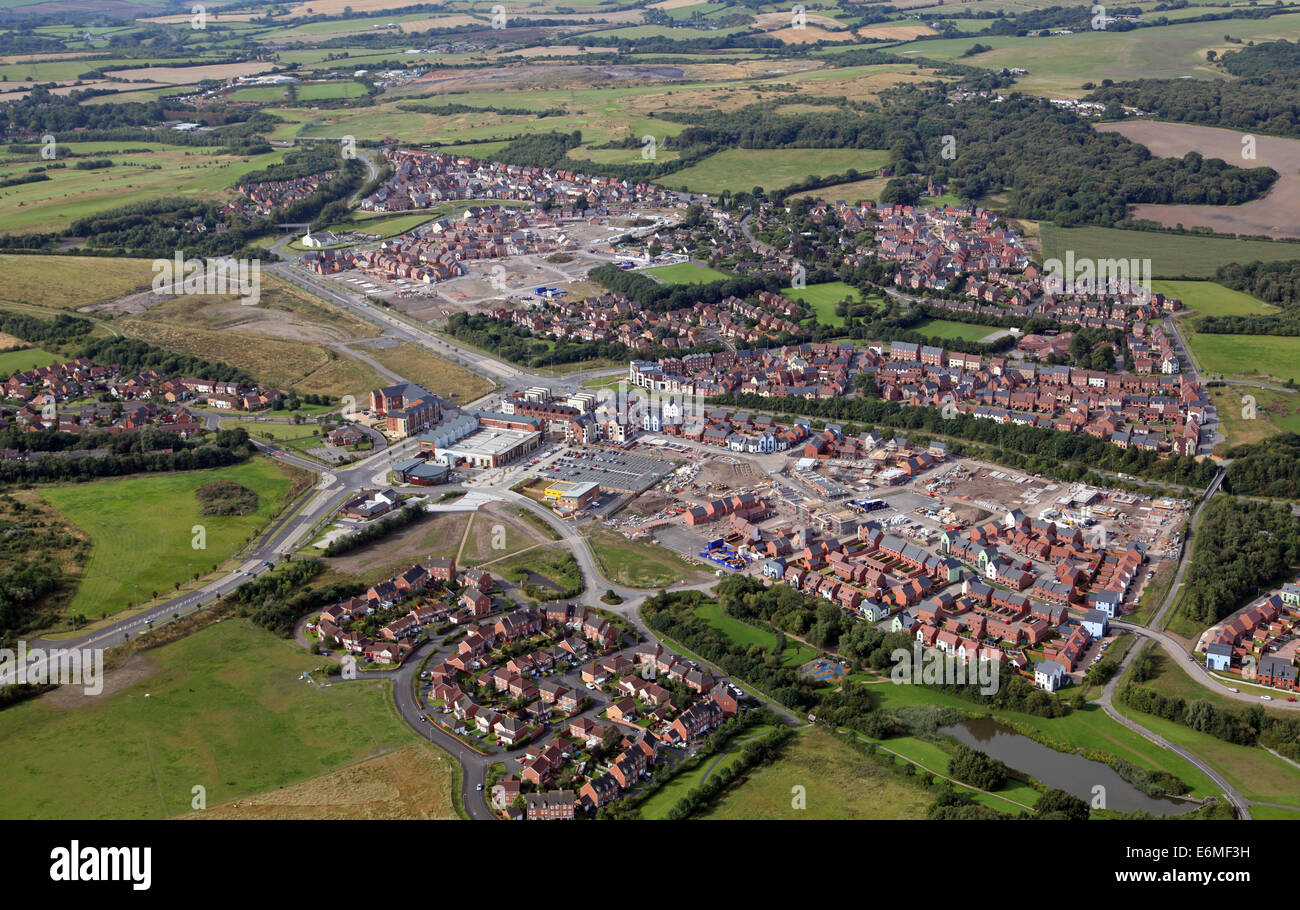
column 1060, row 64
column 71, row 193
column 1272, row 215
column 1171, row 255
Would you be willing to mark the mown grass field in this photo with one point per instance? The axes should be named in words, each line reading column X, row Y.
column 1171, row 255
column 686, row 273
column 839, row 784
column 18, row 361
column 947, row 329
column 1208, row 298
column 141, row 534
column 822, row 298
column 226, row 711
column 744, row 169
column 1265, row 357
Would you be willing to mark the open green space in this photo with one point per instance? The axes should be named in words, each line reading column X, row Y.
column 794, row 655
column 1089, row 728
column 743, row 169
column 686, row 273
column 947, row 329
column 661, row 803
column 142, row 530
column 20, row 361
column 838, row 782
column 823, row 298
column 225, row 710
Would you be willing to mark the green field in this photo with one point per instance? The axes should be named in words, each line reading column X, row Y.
column 226, row 711
column 1256, row 356
column 141, row 535
column 740, row 170
column 743, row 633
column 839, row 783
column 686, row 273
column 20, row 361
column 946, row 329
column 71, row 193
column 1207, row 298
column 823, row 297
column 1171, row 255
column 1060, row 64
column 1267, row 357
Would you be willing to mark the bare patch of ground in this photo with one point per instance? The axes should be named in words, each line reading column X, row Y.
column 69, row 698
column 412, row 782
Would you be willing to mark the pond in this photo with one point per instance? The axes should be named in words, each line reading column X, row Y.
column 1072, row 773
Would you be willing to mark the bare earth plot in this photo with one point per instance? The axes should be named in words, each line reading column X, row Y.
column 1273, row 215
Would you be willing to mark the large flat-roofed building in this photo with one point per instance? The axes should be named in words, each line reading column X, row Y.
column 488, row 447
column 572, row 497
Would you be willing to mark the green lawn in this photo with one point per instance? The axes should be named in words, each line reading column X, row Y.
column 226, row 711
column 20, row 361
column 743, row 633
column 686, row 273
column 946, row 329
column 823, row 297
column 140, row 528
